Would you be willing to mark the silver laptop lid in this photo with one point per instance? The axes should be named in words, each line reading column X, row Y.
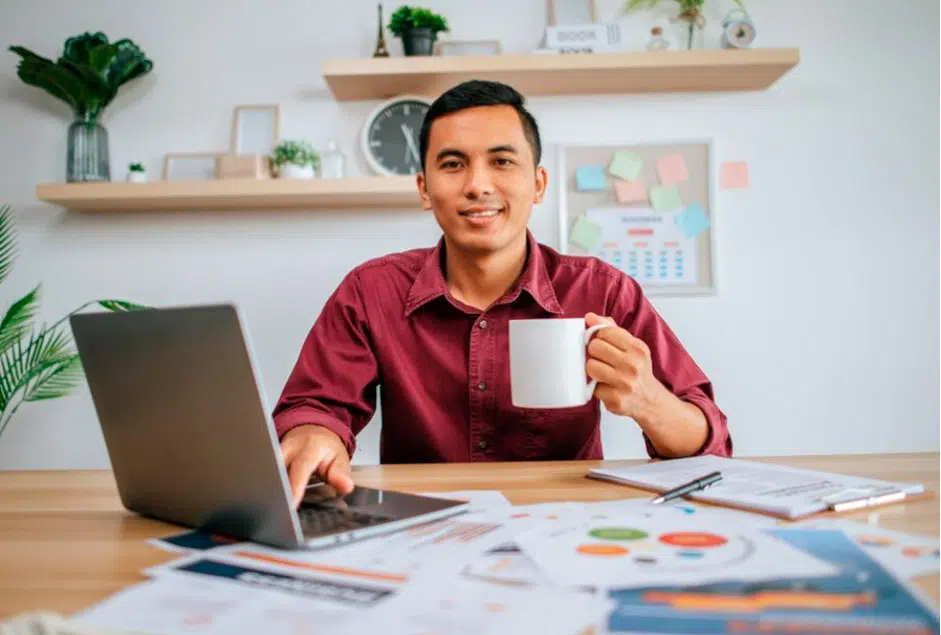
column 184, row 420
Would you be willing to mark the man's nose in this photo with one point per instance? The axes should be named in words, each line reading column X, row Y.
column 478, row 184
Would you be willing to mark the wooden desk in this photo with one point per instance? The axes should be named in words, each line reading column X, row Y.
column 66, row 542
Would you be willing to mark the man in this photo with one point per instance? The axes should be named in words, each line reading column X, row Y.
column 430, row 326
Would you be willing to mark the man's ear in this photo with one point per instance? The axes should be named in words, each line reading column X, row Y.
column 423, row 190
column 542, row 179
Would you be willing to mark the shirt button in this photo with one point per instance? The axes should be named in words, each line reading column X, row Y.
column 481, row 386
column 482, row 324
column 482, row 445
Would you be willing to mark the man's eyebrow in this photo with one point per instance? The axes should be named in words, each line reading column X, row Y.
column 444, row 152
column 504, row 148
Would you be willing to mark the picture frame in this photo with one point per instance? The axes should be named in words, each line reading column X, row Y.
column 454, row 48
column 190, row 166
column 571, row 12
column 255, row 128
column 656, row 229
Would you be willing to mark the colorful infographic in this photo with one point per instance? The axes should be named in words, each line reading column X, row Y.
column 860, row 597
column 636, row 550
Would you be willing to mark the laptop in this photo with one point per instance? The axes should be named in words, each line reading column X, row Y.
column 191, row 440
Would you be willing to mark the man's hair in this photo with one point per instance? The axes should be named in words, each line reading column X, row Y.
column 475, row 93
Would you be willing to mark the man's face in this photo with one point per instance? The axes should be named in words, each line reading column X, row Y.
column 480, row 178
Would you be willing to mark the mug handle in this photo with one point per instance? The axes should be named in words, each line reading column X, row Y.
column 590, row 388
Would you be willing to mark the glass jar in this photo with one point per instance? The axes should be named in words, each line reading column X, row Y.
column 332, row 163
column 690, row 27
column 87, row 154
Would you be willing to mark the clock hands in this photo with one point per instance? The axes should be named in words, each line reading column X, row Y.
column 410, row 144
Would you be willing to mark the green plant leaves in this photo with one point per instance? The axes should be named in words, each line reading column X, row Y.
column 120, row 305
column 56, row 379
column 7, row 241
column 88, row 74
column 406, row 17
column 18, row 319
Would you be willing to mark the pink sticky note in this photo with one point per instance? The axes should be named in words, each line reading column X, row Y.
column 627, row 192
column 734, row 175
column 672, row 169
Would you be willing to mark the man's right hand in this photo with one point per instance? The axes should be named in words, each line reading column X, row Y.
column 311, row 449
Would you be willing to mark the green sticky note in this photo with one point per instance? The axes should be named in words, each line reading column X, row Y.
column 585, row 233
column 625, row 165
column 665, row 198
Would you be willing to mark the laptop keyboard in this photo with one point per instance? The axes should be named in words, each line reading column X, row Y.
column 316, row 520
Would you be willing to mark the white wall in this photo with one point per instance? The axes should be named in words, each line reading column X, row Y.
column 823, row 338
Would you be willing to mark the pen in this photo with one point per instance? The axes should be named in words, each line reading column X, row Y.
column 700, row 483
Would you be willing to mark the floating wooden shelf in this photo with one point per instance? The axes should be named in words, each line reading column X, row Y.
column 232, row 194
column 570, row 74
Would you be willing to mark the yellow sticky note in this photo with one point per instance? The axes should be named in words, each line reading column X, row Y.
column 665, row 198
column 734, row 175
column 626, row 192
column 625, row 165
column 585, row 233
column 672, row 169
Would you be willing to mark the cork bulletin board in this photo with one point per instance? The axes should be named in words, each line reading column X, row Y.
column 645, row 208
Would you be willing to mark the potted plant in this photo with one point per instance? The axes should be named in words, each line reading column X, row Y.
column 136, row 173
column 418, row 29
column 295, row 160
column 86, row 77
column 690, row 18
column 35, row 364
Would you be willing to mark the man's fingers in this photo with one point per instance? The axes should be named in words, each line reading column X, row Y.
column 339, row 474
column 299, row 473
column 601, row 372
column 605, row 352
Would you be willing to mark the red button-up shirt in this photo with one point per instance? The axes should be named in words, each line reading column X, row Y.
column 443, row 366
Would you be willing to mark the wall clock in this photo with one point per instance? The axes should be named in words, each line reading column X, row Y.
column 390, row 135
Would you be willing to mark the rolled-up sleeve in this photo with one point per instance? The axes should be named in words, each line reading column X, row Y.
column 672, row 365
column 333, row 383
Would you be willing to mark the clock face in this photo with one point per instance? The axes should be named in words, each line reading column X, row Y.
column 391, row 137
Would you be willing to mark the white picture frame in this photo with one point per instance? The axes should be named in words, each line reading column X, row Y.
column 571, row 12
column 708, row 243
column 190, row 166
column 255, row 128
column 455, row 48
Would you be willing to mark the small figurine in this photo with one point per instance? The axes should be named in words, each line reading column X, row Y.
column 657, row 41
column 381, row 50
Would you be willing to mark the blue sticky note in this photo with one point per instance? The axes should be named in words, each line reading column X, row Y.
column 692, row 221
column 590, row 178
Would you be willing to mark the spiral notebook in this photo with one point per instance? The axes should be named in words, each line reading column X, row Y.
column 777, row 490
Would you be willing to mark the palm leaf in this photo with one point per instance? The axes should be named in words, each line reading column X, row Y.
column 17, row 321
column 120, row 305
column 54, row 79
column 55, row 379
column 7, row 241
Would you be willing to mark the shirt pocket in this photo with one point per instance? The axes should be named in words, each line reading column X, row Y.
column 558, row 434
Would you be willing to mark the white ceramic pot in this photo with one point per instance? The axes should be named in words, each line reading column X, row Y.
column 136, row 177
column 293, row 171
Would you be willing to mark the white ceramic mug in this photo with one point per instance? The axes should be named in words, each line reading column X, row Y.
column 547, row 362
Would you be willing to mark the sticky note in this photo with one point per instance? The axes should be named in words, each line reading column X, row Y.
column 665, row 198
column 625, row 165
column 585, row 233
column 733, row 175
column 590, row 178
column 626, row 192
column 692, row 221
column 672, row 169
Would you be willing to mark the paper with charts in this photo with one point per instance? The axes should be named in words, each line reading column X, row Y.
column 645, row 244
column 633, row 550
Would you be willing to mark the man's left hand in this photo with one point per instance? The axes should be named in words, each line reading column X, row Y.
column 621, row 364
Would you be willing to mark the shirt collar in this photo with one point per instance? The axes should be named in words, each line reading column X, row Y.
column 430, row 284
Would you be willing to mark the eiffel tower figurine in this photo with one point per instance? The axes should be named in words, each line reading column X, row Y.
column 381, row 50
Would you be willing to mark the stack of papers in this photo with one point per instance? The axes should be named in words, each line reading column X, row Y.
column 567, row 568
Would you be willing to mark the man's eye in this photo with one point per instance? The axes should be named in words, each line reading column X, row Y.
column 503, row 161
column 450, row 165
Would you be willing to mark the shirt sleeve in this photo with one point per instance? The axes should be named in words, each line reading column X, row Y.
column 333, row 383
column 672, row 364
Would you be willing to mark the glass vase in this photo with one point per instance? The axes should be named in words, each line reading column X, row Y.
column 689, row 28
column 87, row 156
